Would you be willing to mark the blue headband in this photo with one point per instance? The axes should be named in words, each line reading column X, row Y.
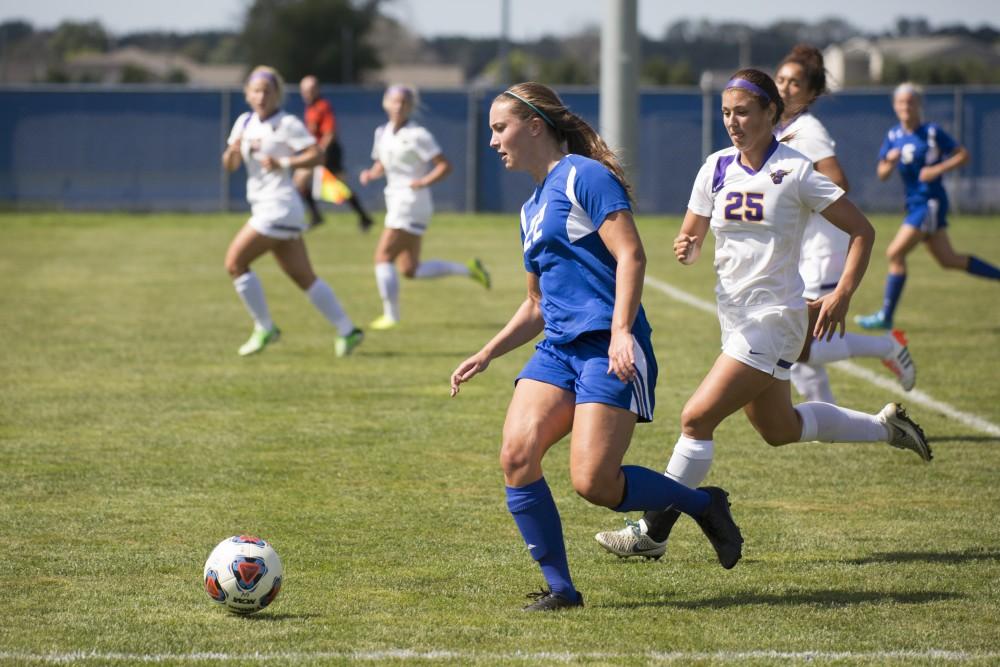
column 748, row 85
column 532, row 107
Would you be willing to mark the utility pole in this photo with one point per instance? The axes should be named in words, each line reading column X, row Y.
column 619, row 106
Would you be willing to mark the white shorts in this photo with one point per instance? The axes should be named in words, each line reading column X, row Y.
column 279, row 219
column 820, row 274
column 408, row 210
column 767, row 338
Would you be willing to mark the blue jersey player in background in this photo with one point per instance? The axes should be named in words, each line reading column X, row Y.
column 921, row 152
column 593, row 374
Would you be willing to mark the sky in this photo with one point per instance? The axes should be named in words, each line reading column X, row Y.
column 529, row 19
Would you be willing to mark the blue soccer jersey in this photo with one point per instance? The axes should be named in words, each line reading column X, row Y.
column 576, row 272
column 926, row 146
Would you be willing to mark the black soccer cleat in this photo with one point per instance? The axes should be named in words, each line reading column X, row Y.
column 719, row 527
column 365, row 223
column 546, row 600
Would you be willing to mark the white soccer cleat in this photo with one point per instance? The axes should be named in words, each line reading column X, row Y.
column 631, row 541
column 905, row 433
column 259, row 339
column 900, row 362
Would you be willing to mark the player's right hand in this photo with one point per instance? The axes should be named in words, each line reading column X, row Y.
column 686, row 248
column 468, row 369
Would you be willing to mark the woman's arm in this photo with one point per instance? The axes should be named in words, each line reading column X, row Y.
column 304, row 159
column 231, row 158
column 830, row 167
column 372, row 173
column 622, row 240
column 957, row 158
column 524, row 326
column 687, row 245
column 440, row 169
column 886, row 165
column 833, row 310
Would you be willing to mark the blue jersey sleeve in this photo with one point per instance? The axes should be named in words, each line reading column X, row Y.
column 599, row 192
column 945, row 143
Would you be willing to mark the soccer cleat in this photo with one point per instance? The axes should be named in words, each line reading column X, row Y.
column 365, row 223
column 900, row 362
column 545, row 600
column 874, row 321
column 382, row 323
column 344, row 345
column 259, row 339
column 719, row 527
column 479, row 273
column 631, row 541
column 904, row 433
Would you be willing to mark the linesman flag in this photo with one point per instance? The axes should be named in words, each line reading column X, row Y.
column 327, row 187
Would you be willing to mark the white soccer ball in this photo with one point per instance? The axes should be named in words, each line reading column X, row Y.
column 243, row 573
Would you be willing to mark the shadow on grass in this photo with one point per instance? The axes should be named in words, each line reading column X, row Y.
column 965, row 438
column 953, row 557
column 277, row 617
column 825, row 598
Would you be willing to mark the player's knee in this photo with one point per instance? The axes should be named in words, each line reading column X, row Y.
column 516, row 455
column 696, row 422
column 596, row 490
column 235, row 268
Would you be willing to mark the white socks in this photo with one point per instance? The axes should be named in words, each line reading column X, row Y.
column 812, row 382
column 688, row 464
column 388, row 288
column 830, row 423
column 436, row 268
column 851, row 345
column 251, row 292
column 322, row 296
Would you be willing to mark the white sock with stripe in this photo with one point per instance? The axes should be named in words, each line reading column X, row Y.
column 437, row 268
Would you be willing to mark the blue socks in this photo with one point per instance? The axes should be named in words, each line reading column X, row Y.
column 537, row 518
column 978, row 267
column 647, row 489
column 893, row 290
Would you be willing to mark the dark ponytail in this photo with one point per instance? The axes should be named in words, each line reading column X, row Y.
column 810, row 59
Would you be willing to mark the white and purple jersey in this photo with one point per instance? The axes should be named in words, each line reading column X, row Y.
column 279, row 135
column 925, row 146
column 808, row 136
column 757, row 218
column 576, row 272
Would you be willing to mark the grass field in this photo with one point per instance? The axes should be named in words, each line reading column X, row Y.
column 133, row 438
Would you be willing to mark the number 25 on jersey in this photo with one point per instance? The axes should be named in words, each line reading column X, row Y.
column 744, row 206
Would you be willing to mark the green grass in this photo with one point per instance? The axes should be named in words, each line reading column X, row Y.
column 133, row 438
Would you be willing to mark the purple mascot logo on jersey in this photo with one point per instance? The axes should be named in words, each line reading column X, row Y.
column 779, row 175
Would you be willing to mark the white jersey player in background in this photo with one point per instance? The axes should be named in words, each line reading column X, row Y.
column 272, row 143
column 411, row 161
column 756, row 197
column 801, row 79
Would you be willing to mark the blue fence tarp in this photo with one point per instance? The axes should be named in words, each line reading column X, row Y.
column 158, row 149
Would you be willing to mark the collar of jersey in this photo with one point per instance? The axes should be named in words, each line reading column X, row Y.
column 770, row 151
column 541, row 186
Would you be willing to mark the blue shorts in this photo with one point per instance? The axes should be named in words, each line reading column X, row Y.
column 927, row 216
column 581, row 366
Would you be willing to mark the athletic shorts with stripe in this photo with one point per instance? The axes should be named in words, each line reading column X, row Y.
column 927, row 216
column 581, row 366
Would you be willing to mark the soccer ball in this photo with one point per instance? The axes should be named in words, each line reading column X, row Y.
column 243, row 573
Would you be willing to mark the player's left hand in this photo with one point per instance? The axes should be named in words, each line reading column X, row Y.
column 621, row 356
column 928, row 174
column 833, row 309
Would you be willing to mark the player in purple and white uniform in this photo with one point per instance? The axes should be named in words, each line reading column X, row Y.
column 409, row 157
column 801, row 79
column 593, row 375
column 272, row 143
column 922, row 153
column 757, row 197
